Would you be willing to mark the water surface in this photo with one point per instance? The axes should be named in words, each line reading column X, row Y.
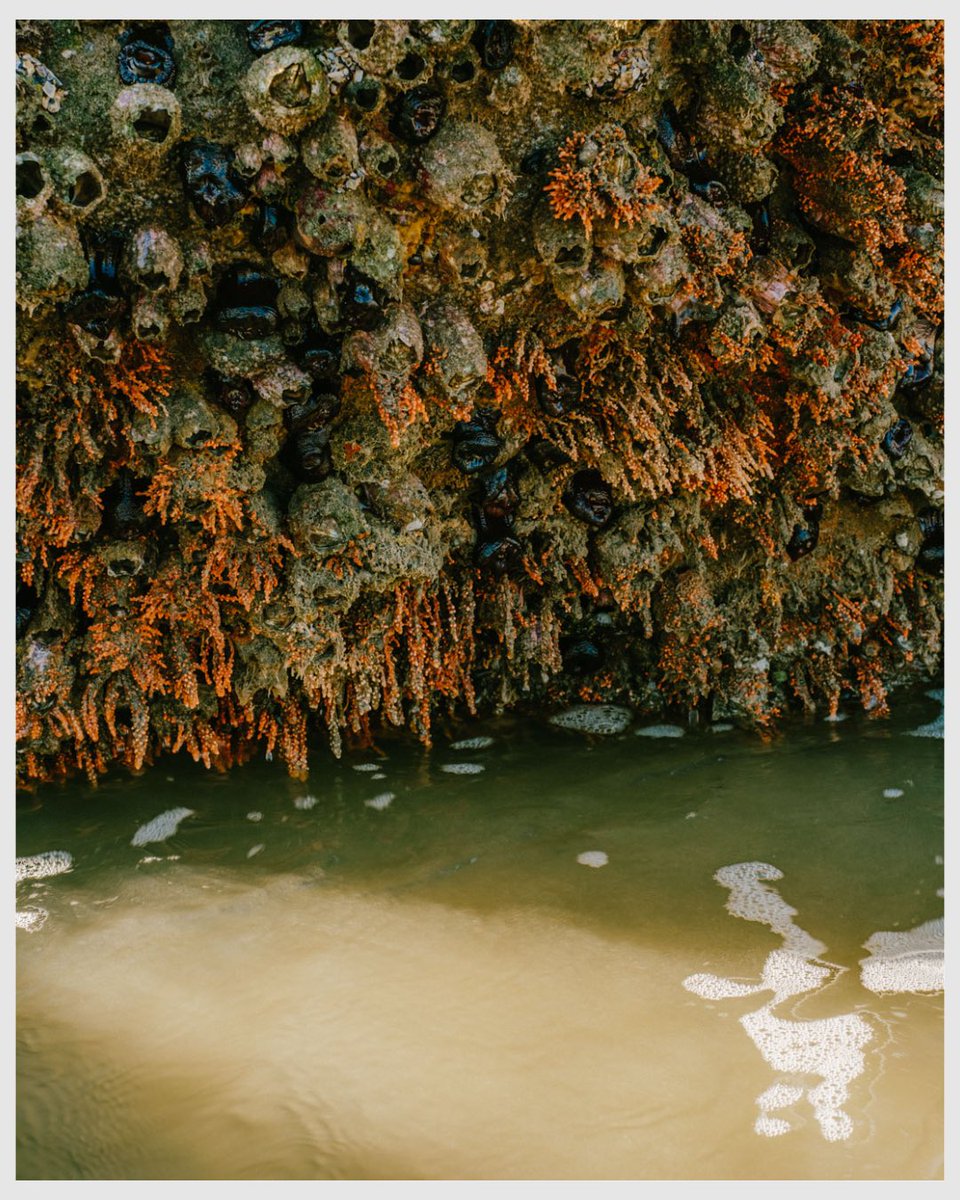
column 297, row 983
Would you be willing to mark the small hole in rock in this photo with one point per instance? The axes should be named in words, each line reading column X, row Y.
column 154, row 280
column 570, row 256
column 367, row 96
column 463, row 72
column 29, row 179
column 85, row 190
column 739, row 42
column 152, row 125
column 360, row 33
column 411, row 66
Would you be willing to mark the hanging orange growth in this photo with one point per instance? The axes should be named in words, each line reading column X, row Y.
column 601, row 176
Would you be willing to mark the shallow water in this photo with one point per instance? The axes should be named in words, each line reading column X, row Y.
column 524, row 971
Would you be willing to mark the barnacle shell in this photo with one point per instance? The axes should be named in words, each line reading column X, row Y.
column 462, row 170
column 286, row 89
column 145, row 122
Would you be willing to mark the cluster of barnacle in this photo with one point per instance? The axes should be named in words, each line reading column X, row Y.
column 367, row 365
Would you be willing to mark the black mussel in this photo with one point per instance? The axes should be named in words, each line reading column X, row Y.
column 896, row 440
column 417, row 114
column 882, row 323
column 918, row 373
column 475, row 451
column 122, row 508
column 581, row 654
column 314, row 412
column 475, row 445
column 684, row 156
column 494, row 41
column 272, row 229
column 589, row 498
column 545, row 455
column 319, row 355
column 207, row 178
column 311, row 453
column 249, row 321
column 930, row 558
column 146, row 54
column 803, row 540
column 263, row 36
column 497, row 496
column 561, row 399
column 235, row 395
column 362, row 301
column 713, row 191
column 246, row 303
column 500, row 556
column 760, row 216
column 99, row 308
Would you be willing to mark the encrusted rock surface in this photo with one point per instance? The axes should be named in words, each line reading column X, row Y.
column 372, row 370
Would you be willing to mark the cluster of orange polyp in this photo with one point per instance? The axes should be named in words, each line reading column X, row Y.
column 372, row 373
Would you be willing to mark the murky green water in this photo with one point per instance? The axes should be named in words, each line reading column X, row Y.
column 298, row 985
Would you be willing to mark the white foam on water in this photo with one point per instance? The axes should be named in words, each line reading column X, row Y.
column 305, row 802
column 661, row 731
column 938, row 859
column 721, row 727
column 41, row 866
column 751, row 900
column 161, row 827
column 256, row 849
column 771, row 1126
column 940, row 892
column 892, row 793
column 149, row 858
column 933, row 730
column 463, row 768
column 254, row 816
column 908, row 960
column 829, row 1049
column 836, row 718
column 593, row 858
column 594, row 718
column 366, row 766
column 473, row 743
column 31, row 919
column 378, row 775
column 689, row 816
column 384, row 800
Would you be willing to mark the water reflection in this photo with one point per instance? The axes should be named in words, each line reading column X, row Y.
column 297, row 983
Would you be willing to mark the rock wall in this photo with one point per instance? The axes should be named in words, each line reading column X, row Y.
column 375, row 370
